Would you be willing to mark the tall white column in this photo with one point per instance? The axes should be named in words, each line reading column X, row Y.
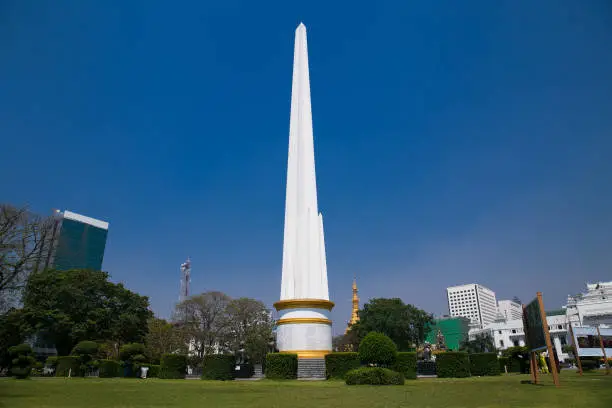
column 304, row 306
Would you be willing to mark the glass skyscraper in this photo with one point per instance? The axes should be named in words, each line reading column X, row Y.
column 78, row 242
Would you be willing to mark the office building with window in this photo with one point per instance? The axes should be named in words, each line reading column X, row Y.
column 510, row 309
column 78, row 242
column 473, row 301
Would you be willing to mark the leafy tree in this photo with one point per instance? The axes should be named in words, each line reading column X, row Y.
column 203, row 321
column 13, row 331
column 163, row 338
column 76, row 305
column 249, row 322
column 24, row 244
column 346, row 342
column 404, row 324
column 482, row 343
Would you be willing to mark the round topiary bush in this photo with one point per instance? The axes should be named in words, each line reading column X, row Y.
column 280, row 366
column 22, row 360
column 218, row 367
column 173, row 366
column 374, row 376
column 68, row 365
column 377, row 349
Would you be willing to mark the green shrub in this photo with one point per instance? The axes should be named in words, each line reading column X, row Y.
column 22, row 360
column 281, row 366
column 482, row 364
column 173, row 366
column 374, row 376
column 589, row 364
column 338, row 364
column 406, row 363
column 153, row 371
column 218, row 367
column 66, row 365
column 109, row 368
column 132, row 358
column 453, row 364
column 377, row 349
column 503, row 362
column 85, row 347
column 85, row 351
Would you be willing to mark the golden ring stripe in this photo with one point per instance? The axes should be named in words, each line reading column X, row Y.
column 308, row 353
column 304, row 320
column 304, row 303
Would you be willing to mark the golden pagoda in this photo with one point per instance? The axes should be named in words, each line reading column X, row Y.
column 355, row 312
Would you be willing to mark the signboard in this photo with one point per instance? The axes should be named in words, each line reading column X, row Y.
column 535, row 336
column 587, row 341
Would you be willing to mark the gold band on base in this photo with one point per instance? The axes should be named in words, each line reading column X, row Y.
column 304, row 320
column 308, row 353
column 304, row 303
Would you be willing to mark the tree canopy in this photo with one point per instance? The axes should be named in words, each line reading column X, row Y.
column 404, row 324
column 482, row 343
column 213, row 322
column 67, row 307
column 23, row 245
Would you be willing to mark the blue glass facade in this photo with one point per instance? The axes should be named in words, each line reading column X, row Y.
column 79, row 246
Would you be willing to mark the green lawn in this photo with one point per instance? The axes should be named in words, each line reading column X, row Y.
column 592, row 390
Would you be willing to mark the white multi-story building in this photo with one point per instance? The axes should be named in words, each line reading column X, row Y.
column 593, row 308
column 510, row 333
column 510, row 309
column 473, row 301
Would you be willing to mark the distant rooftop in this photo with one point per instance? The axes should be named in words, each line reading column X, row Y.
column 69, row 215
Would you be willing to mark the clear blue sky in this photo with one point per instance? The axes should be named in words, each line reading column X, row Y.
column 456, row 142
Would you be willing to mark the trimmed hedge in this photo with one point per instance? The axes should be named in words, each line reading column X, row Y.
column 406, row 363
column 483, row 364
column 338, row 364
column 377, row 349
column 68, row 364
column 153, row 371
column 374, row 376
column 426, row 367
column 281, row 366
column 504, row 362
column 173, row 366
column 218, row 367
column 453, row 364
column 518, row 365
column 109, row 368
column 589, row 364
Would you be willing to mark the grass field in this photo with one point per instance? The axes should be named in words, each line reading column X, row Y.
column 592, row 390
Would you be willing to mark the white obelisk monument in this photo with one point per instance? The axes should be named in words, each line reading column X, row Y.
column 304, row 326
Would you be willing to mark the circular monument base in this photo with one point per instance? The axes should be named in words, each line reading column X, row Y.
column 304, row 327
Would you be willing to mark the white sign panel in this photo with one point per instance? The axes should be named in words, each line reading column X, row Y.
column 587, row 341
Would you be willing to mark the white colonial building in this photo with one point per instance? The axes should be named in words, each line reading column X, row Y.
column 592, row 308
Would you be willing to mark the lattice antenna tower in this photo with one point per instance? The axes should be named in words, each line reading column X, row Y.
column 185, row 279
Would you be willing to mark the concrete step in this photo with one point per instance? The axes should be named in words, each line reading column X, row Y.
column 311, row 368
